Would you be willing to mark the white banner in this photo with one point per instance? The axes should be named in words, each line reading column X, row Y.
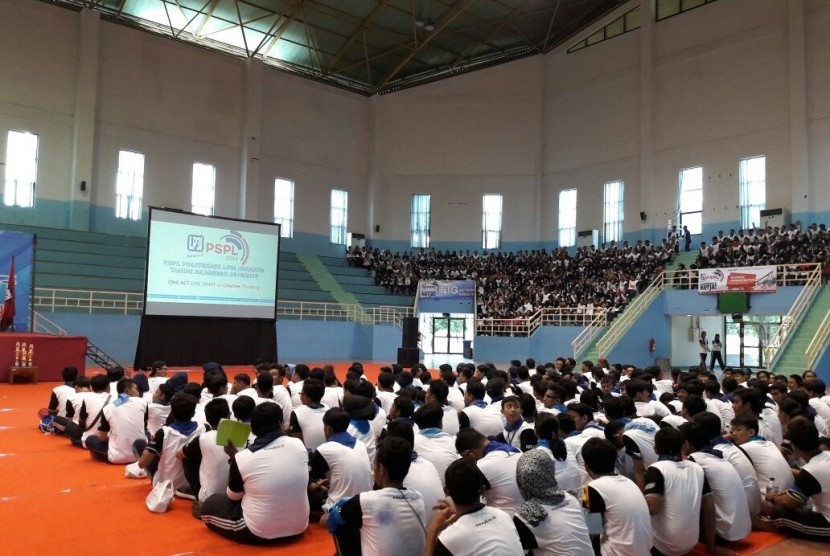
column 750, row 279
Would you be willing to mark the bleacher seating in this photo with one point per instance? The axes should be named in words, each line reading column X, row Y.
column 358, row 282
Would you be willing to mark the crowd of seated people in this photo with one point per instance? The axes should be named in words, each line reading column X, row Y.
column 512, row 285
column 475, row 460
column 785, row 245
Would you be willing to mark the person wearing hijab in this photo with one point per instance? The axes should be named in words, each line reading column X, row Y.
column 550, row 521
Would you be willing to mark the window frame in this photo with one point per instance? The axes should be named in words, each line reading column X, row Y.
column 612, row 225
column 747, row 208
column 566, row 235
column 491, row 235
column 420, row 220
column 339, row 230
column 13, row 193
column 286, row 222
column 128, row 205
column 680, row 209
column 193, row 205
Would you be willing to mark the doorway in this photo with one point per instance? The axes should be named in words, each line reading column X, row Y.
column 746, row 339
column 448, row 334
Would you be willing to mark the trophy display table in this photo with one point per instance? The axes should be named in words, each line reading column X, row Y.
column 51, row 354
column 29, row 373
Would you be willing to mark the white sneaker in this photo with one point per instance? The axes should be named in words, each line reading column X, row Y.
column 133, row 471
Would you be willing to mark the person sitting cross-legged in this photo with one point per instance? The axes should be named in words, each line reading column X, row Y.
column 266, row 496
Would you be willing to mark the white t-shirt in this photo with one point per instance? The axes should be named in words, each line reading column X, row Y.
column 749, row 479
column 819, row 468
column 423, row 478
column 562, row 533
column 213, row 471
column 156, row 417
column 124, row 425
column 486, row 531
column 394, row 522
column 486, row 422
column 275, row 501
column 499, row 468
column 641, row 431
column 514, row 438
column 768, row 463
column 680, row 484
column 368, row 438
column 449, row 424
column 568, row 474
column 91, row 404
column 64, row 392
column 386, row 399
column 310, row 422
column 732, row 518
column 333, row 396
column 437, row 448
column 349, row 470
column 651, row 408
column 627, row 524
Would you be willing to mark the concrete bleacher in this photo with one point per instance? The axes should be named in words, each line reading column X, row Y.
column 361, row 285
column 77, row 260
column 295, row 283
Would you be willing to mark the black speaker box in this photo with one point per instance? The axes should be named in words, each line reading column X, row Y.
column 410, row 332
column 408, row 357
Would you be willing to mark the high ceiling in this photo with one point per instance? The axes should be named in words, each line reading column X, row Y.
column 366, row 46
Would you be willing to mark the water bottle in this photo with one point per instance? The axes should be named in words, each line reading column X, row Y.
column 772, row 488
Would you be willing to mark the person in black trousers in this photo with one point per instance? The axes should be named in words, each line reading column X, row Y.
column 687, row 238
column 715, row 350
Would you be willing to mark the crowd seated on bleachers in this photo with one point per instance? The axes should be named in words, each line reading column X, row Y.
column 788, row 245
column 473, row 460
column 518, row 284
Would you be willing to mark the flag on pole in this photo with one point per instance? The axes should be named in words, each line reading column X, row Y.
column 7, row 315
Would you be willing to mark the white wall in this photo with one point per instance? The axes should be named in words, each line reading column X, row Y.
column 684, row 352
column 725, row 81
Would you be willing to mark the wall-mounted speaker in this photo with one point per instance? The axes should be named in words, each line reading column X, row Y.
column 642, row 216
column 83, row 186
column 377, row 228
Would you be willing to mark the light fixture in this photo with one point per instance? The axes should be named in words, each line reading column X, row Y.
column 419, row 22
column 430, row 26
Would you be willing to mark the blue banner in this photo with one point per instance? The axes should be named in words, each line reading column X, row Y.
column 20, row 246
column 446, row 296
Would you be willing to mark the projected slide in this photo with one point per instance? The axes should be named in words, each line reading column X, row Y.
column 199, row 266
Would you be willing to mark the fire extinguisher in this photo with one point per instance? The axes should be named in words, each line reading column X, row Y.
column 651, row 345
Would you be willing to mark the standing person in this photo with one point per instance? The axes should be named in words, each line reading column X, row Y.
column 687, row 238
column 703, row 349
column 716, row 353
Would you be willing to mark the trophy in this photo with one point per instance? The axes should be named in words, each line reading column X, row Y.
column 31, row 353
column 17, row 354
column 23, row 353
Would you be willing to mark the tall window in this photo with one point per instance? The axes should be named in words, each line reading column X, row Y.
column 491, row 222
column 752, row 178
column 339, row 215
column 284, row 206
column 691, row 199
column 21, row 169
column 203, row 195
column 567, row 218
column 419, row 227
column 612, row 215
column 129, row 185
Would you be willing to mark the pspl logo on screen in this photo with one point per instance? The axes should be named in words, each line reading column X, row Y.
column 233, row 246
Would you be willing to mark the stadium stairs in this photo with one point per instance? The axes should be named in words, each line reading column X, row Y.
column 604, row 341
column 352, row 284
column 792, row 359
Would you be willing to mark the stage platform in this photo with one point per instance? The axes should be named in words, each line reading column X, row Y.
column 51, row 354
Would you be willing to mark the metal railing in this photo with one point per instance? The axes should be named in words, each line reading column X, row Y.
column 42, row 325
column 629, row 316
column 129, row 303
column 583, row 339
column 788, row 275
column 526, row 326
column 818, row 342
column 790, row 321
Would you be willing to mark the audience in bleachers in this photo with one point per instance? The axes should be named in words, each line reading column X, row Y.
column 785, row 245
column 521, row 283
column 655, row 453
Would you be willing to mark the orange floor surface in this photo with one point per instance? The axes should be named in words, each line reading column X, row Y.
column 55, row 499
